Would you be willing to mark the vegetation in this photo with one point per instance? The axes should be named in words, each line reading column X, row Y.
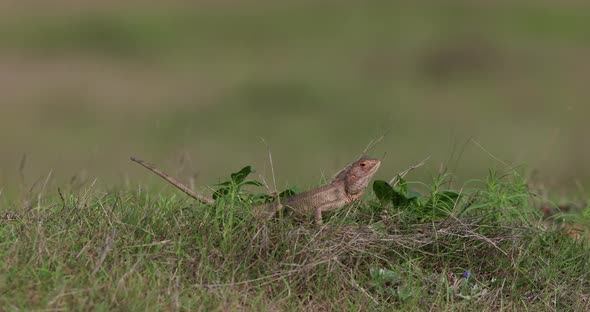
column 410, row 247
column 86, row 84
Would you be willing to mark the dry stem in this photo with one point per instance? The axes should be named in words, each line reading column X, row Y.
column 174, row 182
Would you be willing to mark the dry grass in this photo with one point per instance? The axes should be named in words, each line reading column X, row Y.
column 137, row 250
column 85, row 85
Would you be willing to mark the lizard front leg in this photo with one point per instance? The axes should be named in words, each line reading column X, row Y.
column 328, row 206
column 317, row 214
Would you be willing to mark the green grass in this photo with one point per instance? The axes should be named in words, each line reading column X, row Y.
column 316, row 81
column 480, row 247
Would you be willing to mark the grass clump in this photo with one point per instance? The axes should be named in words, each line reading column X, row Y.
column 414, row 246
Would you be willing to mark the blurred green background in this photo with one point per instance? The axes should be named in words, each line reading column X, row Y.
column 194, row 88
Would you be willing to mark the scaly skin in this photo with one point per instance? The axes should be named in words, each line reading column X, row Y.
column 348, row 185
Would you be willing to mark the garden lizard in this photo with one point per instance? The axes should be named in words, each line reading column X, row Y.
column 346, row 187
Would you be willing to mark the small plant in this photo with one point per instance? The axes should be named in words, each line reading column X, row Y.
column 465, row 286
column 384, row 281
column 233, row 186
column 388, row 284
column 151, row 251
column 399, row 196
column 233, row 189
column 438, row 205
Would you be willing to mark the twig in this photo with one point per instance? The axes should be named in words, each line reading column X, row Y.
column 21, row 169
column 43, row 188
column 174, row 182
column 395, row 179
column 272, row 168
column 61, row 195
column 357, row 286
column 86, row 196
column 107, row 248
column 121, row 282
column 374, row 142
column 83, row 249
column 270, row 276
column 489, row 153
column 173, row 286
column 166, row 241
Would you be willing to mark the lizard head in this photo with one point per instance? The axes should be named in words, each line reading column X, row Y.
column 360, row 173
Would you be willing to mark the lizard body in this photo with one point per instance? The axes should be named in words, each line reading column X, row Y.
column 346, row 187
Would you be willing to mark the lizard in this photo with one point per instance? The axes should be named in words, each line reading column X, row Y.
column 347, row 186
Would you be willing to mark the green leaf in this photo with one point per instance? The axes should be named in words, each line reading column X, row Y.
column 374, row 273
column 399, row 198
column 403, row 186
column 240, row 176
column 383, row 277
column 388, row 275
column 220, row 193
column 447, row 199
column 440, row 204
column 252, row 182
column 289, row 192
column 413, row 195
column 383, row 190
column 444, row 200
column 404, row 293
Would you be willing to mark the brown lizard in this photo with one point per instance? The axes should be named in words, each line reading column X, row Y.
column 346, row 187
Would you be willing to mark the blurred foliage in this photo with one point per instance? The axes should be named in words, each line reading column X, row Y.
column 194, row 87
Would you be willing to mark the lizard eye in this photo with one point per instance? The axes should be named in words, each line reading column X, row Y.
column 363, row 164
